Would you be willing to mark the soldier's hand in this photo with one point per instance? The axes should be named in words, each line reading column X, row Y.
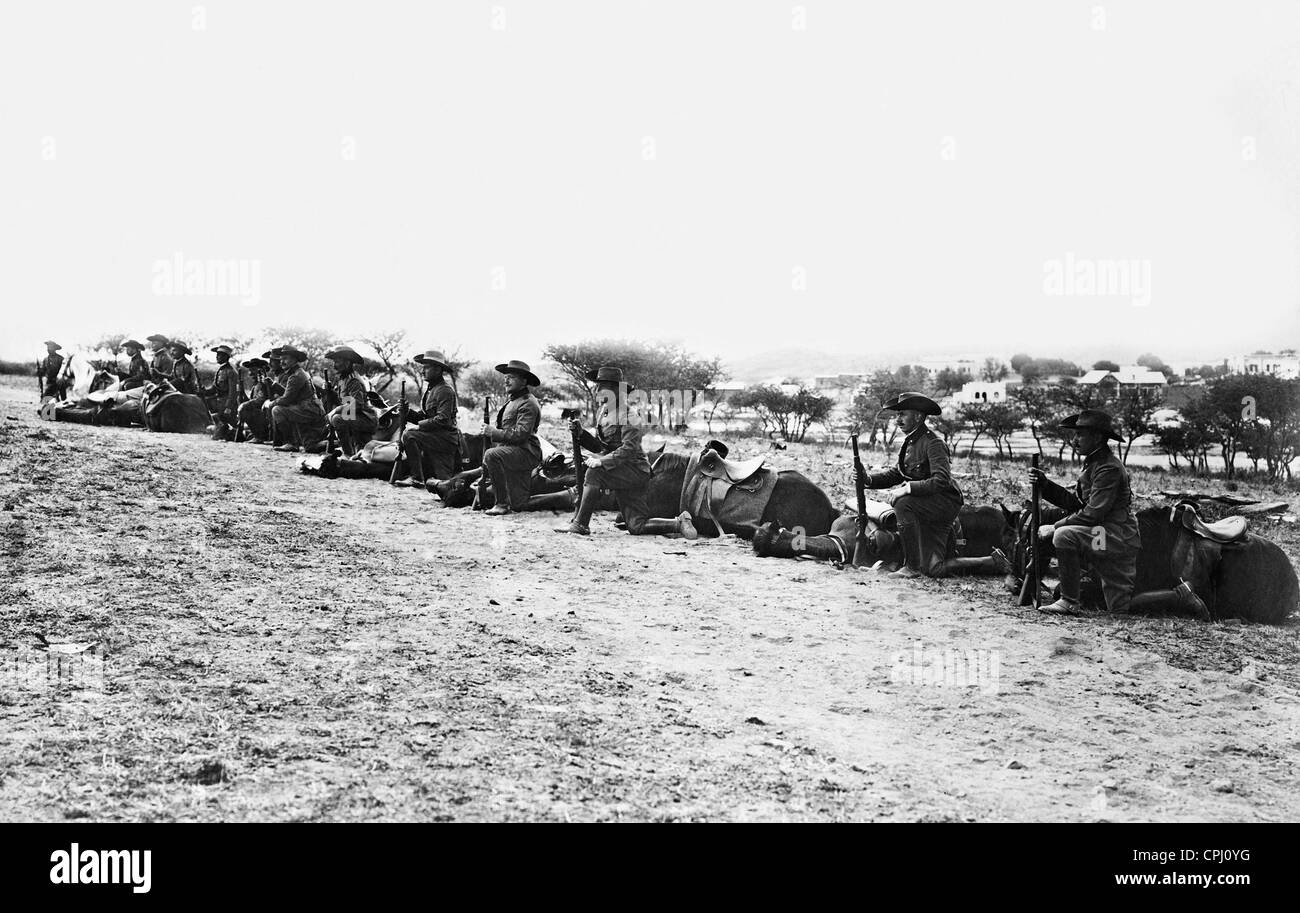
column 1046, row 530
column 1035, row 476
column 592, row 462
column 485, row 430
column 575, row 426
column 859, row 476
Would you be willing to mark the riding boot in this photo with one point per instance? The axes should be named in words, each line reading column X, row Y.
column 909, row 537
column 556, row 500
column 1068, row 566
column 681, row 525
column 586, row 507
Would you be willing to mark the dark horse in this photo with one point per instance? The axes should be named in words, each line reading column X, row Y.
column 1251, row 578
column 796, row 501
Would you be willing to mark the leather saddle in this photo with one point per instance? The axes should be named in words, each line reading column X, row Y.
column 714, row 465
column 1225, row 531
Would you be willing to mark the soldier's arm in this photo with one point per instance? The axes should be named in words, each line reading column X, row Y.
column 940, row 470
column 293, row 390
column 444, row 411
column 887, row 479
column 526, row 421
column 629, row 448
column 590, row 442
column 1059, row 495
column 1106, row 484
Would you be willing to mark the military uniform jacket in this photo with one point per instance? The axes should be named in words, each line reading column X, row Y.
column 624, row 459
column 438, row 409
column 224, row 388
column 184, row 377
column 298, row 391
column 137, row 373
column 1101, row 498
column 353, row 386
column 924, row 462
column 50, row 366
column 517, row 423
column 160, row 367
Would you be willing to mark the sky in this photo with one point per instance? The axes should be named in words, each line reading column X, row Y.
column 741, row 177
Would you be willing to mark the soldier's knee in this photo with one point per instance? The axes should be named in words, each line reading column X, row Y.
column 492, row 456
column 905, row 507
column 1067, row 538
column 635, row 525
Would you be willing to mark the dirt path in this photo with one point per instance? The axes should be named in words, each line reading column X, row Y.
column 284, row 647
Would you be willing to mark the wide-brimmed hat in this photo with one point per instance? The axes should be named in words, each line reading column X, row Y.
column 433, row 357
column 609, row 374
column 345, row 352
column 297, row 353
column 915, row 401
column 272, row 353
column 51, row 342
column 158, row 339
column 515, row 366
column 1093, row 420
column 135, row 343
column 222, row 349
column 177, row 344
column 255, row 362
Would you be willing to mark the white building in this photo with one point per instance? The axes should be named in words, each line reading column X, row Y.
column 1285, row 364
column 1127, row 377
column 982, row 391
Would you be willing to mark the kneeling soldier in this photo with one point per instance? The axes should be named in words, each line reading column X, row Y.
column 138, row 372
column 354, row 419
column 251, row 413
column 222, row 398
column 160, row 365
column 49, row 369
column 622, row 468
column 925, row 498
column 184, row 377
column 1099, row 518
column 297, row 414
column 511, row 462
column 434, row 443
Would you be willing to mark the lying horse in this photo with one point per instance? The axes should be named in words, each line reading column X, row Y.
column 164, row 408
column 736, row 497
column 1209, row 571
column 978, row 543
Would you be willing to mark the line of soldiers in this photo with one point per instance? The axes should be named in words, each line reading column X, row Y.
column 1095, row 520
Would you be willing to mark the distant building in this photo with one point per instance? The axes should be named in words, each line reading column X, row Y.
column 982, row 391
column 725, row 389
column 838, row 381
column 1128, row 377
column 1284, row 364
column 972, row 364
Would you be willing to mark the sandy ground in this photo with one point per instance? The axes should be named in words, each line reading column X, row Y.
column 278, row 647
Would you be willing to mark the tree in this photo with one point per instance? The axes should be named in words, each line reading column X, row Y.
column 653, row 367
column 112, row 343
column 998, row 420
column 789, row 414
column 950, row 380
column 314, row 342
column 881, row 387
column 1133, row 416
column 994, row 370
column 1105, row 365
column 477, row 383
column 1019, row 360
column 1153, row 363
column 390, row 352
column 1039, row 405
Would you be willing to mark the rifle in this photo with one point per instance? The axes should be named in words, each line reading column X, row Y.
column 402, row 410
column 480, row 495
column 579, row 468
column 859, row 537
column 40, row 380
column 1033, row 576
column 243, row 398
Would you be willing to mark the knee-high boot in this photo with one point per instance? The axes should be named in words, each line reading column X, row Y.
column 680, row 525
column 586, row 507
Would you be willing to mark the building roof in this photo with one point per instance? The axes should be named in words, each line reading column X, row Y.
column 1128, row 374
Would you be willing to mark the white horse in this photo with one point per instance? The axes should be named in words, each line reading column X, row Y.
column 79, row 376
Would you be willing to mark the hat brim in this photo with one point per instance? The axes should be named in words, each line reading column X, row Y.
column 529, row 376
column 354, row 357
column 421, row 360
column 916, row 404
column 297, row 354
column 1071, row 422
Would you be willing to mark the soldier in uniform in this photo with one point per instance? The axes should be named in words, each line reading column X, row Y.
column 517, row 453
column 138, row 372
column 354, row 419
column 1096, row 518
column 49, row 369
column 925, row 498
column 250, row 413
column 433, row 445
column 622, row 467
column 160, row 366
column 222, row 397
column 274, row 389
column 297, row 413
column 185, row 377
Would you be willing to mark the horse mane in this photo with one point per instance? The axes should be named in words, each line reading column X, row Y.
column 669, row 461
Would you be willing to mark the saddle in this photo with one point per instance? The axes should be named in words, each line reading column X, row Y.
column 1225, row 531
column 714, row 465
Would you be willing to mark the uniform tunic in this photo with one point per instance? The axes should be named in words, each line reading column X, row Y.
column 435, row 441
column 223, row 396
column 49, row 374
column 137, row 373
column 510, row 463
column 624, row 469
column 160, row 367
column 184, row 378
column 925, row 515
column 297, row 413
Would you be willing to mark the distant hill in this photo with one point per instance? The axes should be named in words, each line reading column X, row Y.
column 793, row 362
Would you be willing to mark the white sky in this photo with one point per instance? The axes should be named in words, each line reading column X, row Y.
column 775, row 148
